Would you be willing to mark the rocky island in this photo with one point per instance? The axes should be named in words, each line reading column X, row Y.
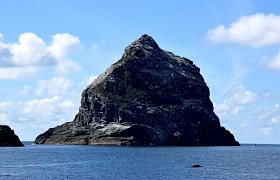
column 148, row 97
column 8, row 137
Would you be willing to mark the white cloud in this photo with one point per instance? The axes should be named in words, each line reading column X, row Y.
column 269, row 115
column 46, row 111
column 272, row 62
column 258, row 30
column 66, row 66
column 55, row 86
column 49, row 109
column 275, row 120
column 31, row 52
column 242, row 96
column 239, row 98
column 67, row 104
column 63, row 44
column 5, row 54
column 17, row 72
column 45, row 107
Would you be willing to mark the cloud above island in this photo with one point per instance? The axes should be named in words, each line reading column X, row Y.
column 31, row 53
column 258, row 30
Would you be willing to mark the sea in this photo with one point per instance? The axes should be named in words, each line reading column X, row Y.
column 116, row 162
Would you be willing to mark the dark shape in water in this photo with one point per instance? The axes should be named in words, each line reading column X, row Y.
column 196, row 166
column 149, row 97
column 8, row 137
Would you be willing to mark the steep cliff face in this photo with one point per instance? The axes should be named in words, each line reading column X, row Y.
column 148, row 97
column 8, row 137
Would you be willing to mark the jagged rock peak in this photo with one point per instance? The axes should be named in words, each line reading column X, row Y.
column 145, row 44
column 145, row 41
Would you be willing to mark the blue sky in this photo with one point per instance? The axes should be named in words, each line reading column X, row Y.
column 50, row 51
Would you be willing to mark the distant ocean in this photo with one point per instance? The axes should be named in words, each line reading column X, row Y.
column 103, row 162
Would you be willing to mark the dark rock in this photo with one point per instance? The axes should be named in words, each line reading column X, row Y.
column 8, row 137
column 196, row 166
column 148, row 97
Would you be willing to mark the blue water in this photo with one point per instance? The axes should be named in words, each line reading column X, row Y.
column 101, row 162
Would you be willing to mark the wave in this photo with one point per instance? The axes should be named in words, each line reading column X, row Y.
column 48, row 164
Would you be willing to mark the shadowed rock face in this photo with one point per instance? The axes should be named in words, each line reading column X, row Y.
column 8, row 137
column 148, row 97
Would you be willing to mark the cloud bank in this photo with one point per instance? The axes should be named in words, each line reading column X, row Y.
column 36, row 115
column 31, row 53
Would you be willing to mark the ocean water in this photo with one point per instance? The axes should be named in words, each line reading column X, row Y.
column 102, row 162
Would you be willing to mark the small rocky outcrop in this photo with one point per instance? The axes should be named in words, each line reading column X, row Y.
column 149, row 97
column 196, row 166
column 8, row 137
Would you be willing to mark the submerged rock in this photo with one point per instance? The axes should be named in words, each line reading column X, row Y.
column 149, row 97
column 196, row 166
column 8, row 137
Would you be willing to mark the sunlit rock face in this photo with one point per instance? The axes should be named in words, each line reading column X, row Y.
column 148, row 97
column 8, row 137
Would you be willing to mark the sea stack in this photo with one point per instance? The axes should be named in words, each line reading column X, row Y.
column 148, row 97
column 8, row 137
